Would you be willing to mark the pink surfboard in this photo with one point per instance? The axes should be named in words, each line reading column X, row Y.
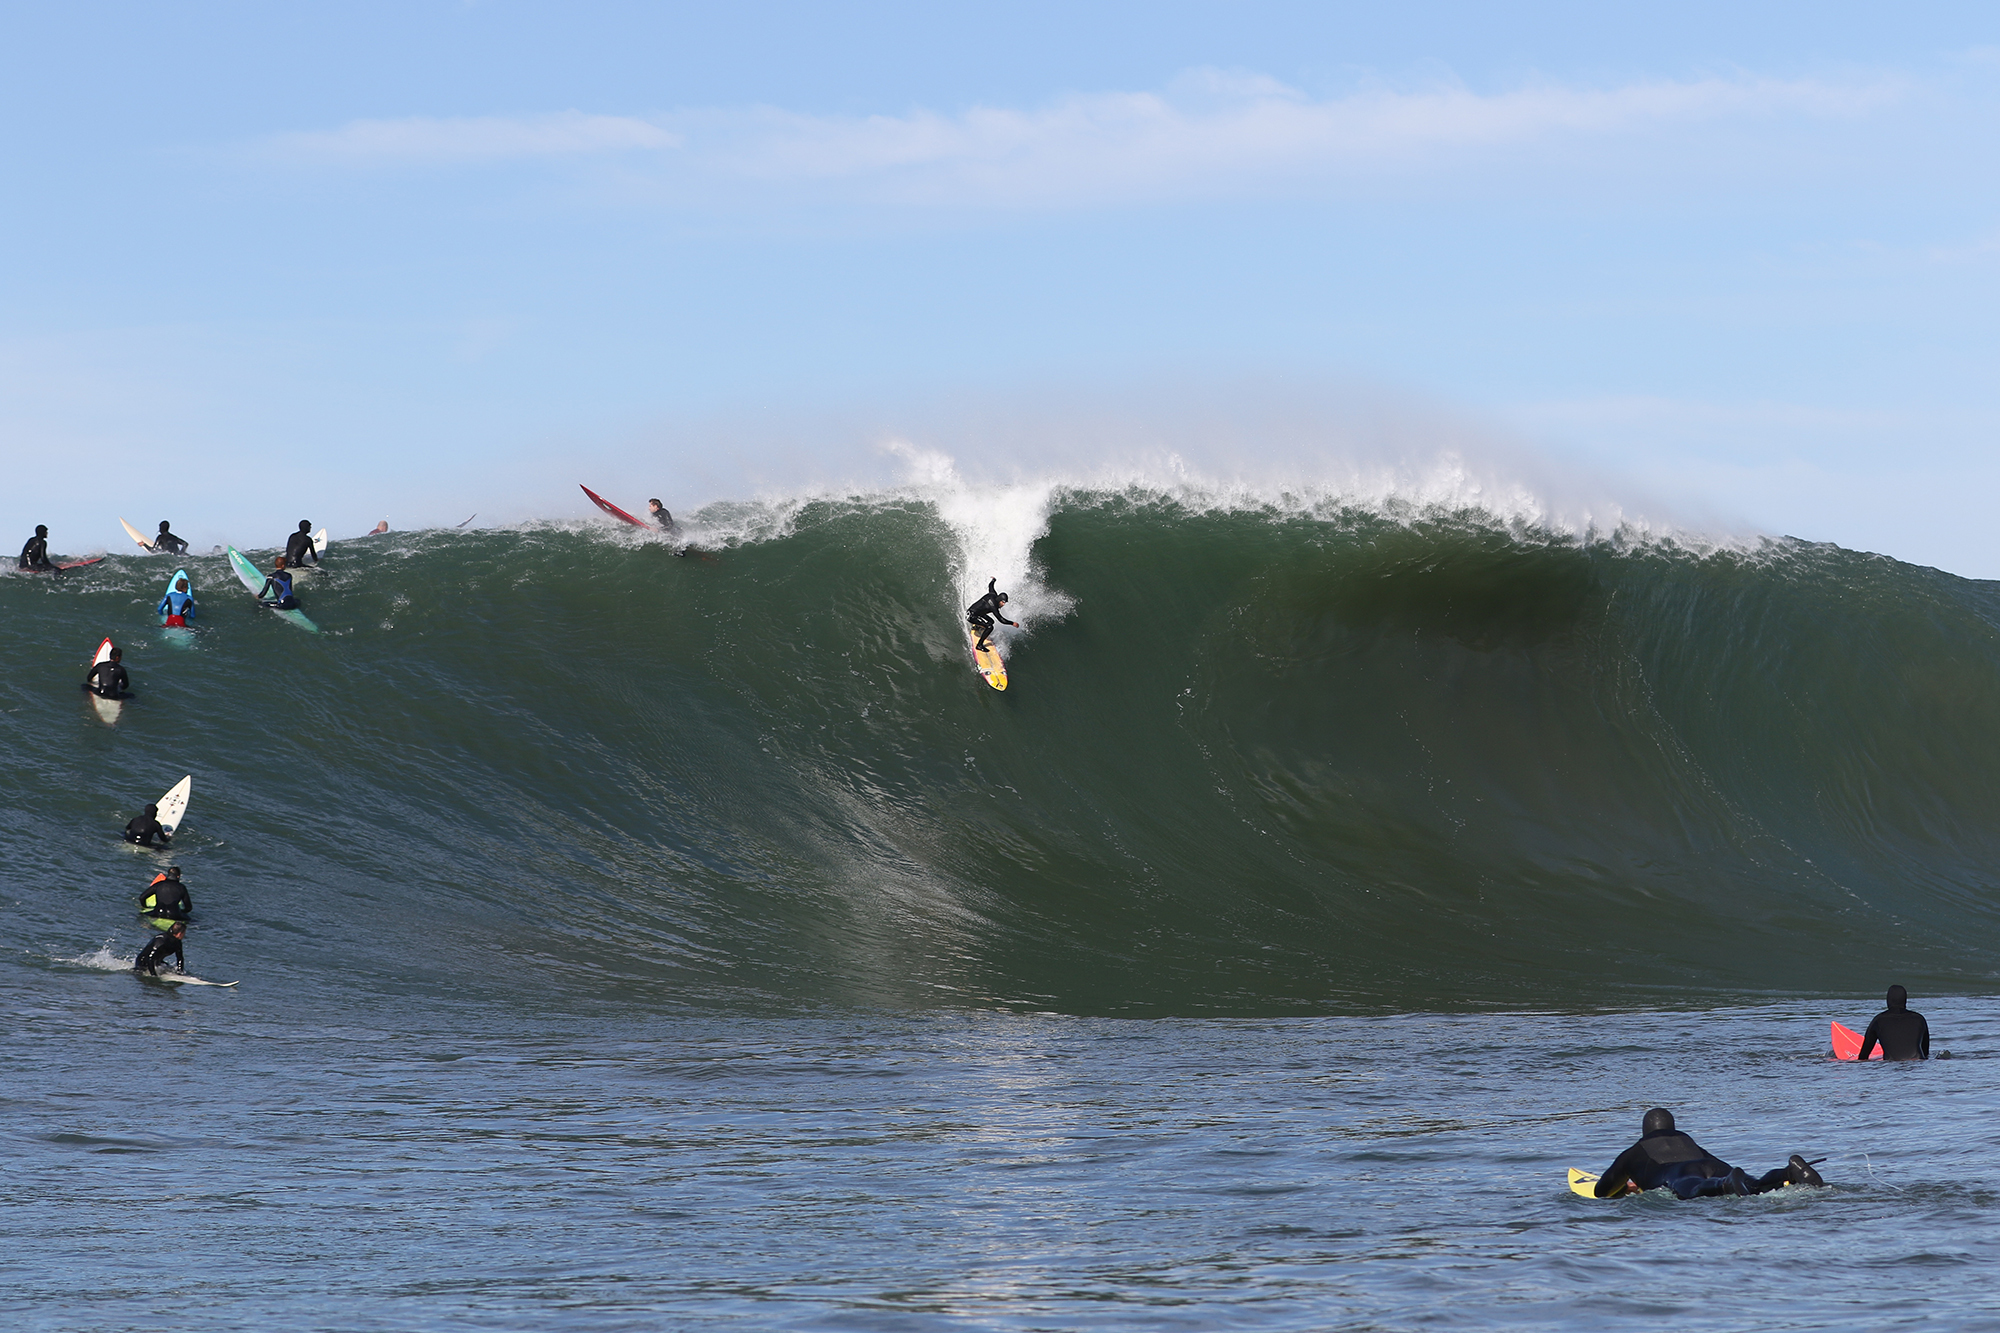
column 1847, row 1044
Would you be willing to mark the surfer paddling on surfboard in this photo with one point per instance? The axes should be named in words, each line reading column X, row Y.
column 1665, row 1158
column 154, row 956
column 982, row 613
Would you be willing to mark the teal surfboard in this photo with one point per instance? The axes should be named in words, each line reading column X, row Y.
column 253, row 579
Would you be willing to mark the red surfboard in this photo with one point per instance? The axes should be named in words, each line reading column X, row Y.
column 1847, row 1044
column 608, row 507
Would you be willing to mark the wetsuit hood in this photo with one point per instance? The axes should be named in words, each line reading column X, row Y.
column 1898, row 998
column 41, row 529
column 1657, row 1119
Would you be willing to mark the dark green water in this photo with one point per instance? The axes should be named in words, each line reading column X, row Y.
column 632, row 942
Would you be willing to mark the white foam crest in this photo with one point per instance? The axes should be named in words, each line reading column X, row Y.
column 101, row 959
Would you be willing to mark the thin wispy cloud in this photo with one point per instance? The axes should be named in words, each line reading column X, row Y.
column 1208, row 132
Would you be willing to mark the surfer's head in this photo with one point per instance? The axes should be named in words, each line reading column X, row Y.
column 163, row 525
column 180, row 585
column 152, row 809
column 654, row 504
column 174, row 871
column 41, row 529
column 305, row 525
column 1003, row 599
column 1657, row 1118
column 117, row 653
column 280, row 564
column 179, row 931
column 1898, row 998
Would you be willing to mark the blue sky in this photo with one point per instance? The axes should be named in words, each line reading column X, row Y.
column 412, row 260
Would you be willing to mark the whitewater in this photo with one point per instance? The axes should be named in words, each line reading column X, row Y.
column 632, row 941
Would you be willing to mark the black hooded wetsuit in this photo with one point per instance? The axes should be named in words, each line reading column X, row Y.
column 143, row 830
column 169, row 543
column 982, row 613
column 1669, row 1159
column 35, row 555
column 108, row 680
column 168, row 897
column 297, row 547
column 154, row 956
column 1900, row 1030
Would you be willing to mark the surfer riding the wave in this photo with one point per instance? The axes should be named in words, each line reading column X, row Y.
column 982, row 613
column 277, row 590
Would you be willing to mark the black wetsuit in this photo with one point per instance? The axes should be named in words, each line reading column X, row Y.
column 297, row 547
column 35, row 555
column 982, row 613
column 154, row 956
column 281, row 581
column 107, row 680
column 143, row 830
column 1900, row 1030
column 168, row 897
column 169, row 543
column 1669, row 1159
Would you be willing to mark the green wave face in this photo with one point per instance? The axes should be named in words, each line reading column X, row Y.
column 1254, row 763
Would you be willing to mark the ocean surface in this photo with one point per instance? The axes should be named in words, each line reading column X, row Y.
column 637, row 941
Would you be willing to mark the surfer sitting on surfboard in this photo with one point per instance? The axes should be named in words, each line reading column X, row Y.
column 1902, row 1032
column 982, row 613
column 277, row 590
column 1665, row 1158
column 300, row 545
column 107, row 679
column 144, row 828
column 167, row 897
column 154, row 956
column 35, row 555
column 178, row 604
column 167, row 542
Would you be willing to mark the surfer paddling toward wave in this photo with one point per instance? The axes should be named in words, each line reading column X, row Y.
column 145, row 827
column 178, row 604
column 107, row 678
column 1666, row 1158
column 277, row 590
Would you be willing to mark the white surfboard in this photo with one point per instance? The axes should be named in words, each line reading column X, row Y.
column 173, row 806
column 319, row 542
column 183, row 979
column 137, row 536
column 107, row 709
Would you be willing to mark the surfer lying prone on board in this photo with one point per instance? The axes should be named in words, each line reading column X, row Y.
column 107, row 679
column 146, row 827
column 1665, row 1158
column 982, row 613
column 277, row 590
column 154, row 956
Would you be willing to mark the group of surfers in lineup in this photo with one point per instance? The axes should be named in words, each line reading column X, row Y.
column 165, row 904
column 1668, row 1158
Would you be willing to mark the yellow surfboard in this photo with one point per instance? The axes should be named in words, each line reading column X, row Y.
column 1585, row 1183
column 988, row 660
